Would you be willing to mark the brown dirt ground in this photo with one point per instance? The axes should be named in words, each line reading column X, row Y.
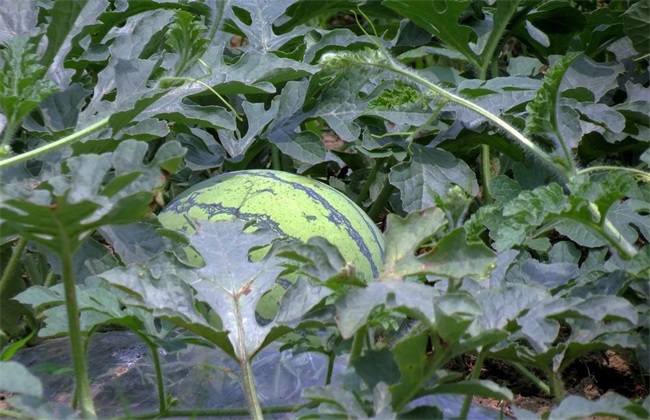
column 591, row 376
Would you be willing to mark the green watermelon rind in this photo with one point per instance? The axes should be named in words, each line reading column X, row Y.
column 247, row 195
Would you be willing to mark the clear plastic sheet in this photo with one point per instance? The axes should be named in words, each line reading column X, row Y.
column 123, row 379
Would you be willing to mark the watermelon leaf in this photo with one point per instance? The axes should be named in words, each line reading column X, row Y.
column 282, row 131
column 542, row 111
column 317, row 258
column 404, row 235
column 611, row 405
column 64, row 18
column 98, row 304
column 264, row 15
column 452, row 256
column 27, row 391
column 15, row 378
column 429, row 175
column 477, row 387
column 442, row 20
column 475, row 39
column 229, row 284
column 235, row 143
column 413, row 299
column 70, row 206
column 635, row 22
column 344, row 403
column 22, row 86
column 159, row 286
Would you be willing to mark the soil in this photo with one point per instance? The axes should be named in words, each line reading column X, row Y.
column 590, row 376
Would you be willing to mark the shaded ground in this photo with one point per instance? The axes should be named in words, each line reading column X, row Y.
column 591, row 376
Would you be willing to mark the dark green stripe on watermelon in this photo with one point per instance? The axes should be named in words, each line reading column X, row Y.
column 264, row 221
column 339, row 219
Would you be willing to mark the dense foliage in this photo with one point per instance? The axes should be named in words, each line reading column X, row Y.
column 502, row 146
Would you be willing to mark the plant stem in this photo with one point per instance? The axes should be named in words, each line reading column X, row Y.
column 205, row 85
column 162, row 404
column 488, row 58
column 433, row 117
column 454, row 285
column 434, row 363
column 10, row 275
column 357, row 342
column 183, row 62
column 379, row 204
column 276, row 161
column 365, row 190
column 331, row 357
column 612, row 234
column 250, row 390
column 496, row 35
column 12, row 414
column 49, row 279
column 392, row 133
column 539, row 153
column 476, row 373
column 486, row 172
column 217, row 18
column 236, row 412
column 557, row 385
column 532, row 377
column 34, row 271
column 82, row 385
column 604, row 228
column 642, row 174
column 9, row 132
column 495, row 69
column 54, row 145
column 495, row 119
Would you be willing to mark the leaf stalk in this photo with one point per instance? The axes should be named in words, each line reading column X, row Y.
column 527, row 143
column 365, row 189
column 160, row 385
column 67, row 140
column 500, row 26
column 379, row 204
column 358, row 342
column 486, row 172
column 644, row 176
column 476, row 373
column 8, row 134
column 82, row 384
column 532, row 377
column 10, row 275
column 250, row 390
column 557, row 385
column 276, row 160
column 11, row 414
column 331, row 358
column 614, row 237
column 224, row 413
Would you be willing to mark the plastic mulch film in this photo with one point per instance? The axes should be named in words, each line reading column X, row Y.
column 123, row 379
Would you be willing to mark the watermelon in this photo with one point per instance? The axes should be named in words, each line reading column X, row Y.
column 290, row 205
